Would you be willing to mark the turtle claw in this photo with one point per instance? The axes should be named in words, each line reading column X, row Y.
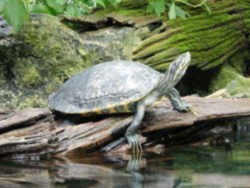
column 183, row 107
column 134, row 143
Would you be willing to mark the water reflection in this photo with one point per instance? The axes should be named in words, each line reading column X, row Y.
column 183, row 167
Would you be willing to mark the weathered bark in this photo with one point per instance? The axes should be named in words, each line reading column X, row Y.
column 33, row 133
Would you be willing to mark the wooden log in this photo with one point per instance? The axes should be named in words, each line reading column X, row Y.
column 32, row 133
column 22, row 118
column 205, row 109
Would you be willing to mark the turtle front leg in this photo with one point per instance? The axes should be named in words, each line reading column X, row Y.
column 131, row 133
column 176, row 101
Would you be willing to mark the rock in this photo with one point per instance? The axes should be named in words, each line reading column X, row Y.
column 229, row 81
column 5, row 29
column 110, row 43
column 233, row 84
column 239, row 88
column 223, row 77
column 37, row 60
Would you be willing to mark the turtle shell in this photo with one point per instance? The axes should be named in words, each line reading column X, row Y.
column 109, row 87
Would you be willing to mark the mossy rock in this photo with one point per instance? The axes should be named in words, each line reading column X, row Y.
column 226, row 74
column 231, row 77
column 233, row 69
column 38, row 60
column 110, row 43
column 239, row 88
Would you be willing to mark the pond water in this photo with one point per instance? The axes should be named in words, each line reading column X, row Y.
column 181, row 167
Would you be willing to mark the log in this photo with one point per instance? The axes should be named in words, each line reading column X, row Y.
column 34, row 133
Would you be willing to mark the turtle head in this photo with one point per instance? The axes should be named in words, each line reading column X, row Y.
column 175, row 72
column 178, row 68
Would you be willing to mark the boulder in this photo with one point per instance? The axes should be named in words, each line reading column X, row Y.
column 37, row 60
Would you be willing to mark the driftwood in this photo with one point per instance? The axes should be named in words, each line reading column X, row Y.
column 33, row 133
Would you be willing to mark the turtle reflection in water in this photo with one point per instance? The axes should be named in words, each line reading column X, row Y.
column 120, row 86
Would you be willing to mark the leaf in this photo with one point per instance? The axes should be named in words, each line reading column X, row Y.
column 114, row 3
column 41, row 8
column 172, row 11
column 2, row 4
column 73, row 10
column 180, row 12
column 207, row 8
column 57, row 5
column 15, row 13
column 156, row 6
column 101, row 3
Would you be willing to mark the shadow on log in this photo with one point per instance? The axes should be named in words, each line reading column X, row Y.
column 33, row 133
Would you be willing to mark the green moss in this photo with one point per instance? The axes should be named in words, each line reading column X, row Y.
column 55, row 47
column 44, row 55
column 210, row 37
column 238, row 61
column 8, row 99
column 226, row 74
column 230, row 75
column 110, row 43
column 27, row 75
column 2, row 75
column 239, row 87
column 34, row 100
column 132, row 12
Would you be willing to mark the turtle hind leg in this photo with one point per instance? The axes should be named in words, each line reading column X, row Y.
column 131, row 134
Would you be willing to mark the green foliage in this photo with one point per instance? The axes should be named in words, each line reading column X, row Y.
column 73, row 8
column 100, row 3
column 14, row 12
column 56, row 6
column 172, row 11
column 158, row 7
column 207, row 8
column 2, row 3
column 60, row 7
